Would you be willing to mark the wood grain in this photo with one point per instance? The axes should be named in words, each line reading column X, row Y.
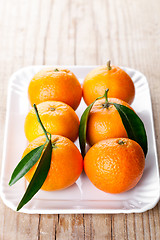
column 80, row 32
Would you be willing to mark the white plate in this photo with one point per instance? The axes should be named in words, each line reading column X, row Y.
column 82, row 197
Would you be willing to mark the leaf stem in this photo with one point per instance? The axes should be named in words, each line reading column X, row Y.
column 106, row 104
column 106, row 94
column 39, row 120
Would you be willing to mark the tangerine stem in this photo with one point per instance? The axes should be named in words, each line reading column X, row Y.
column 54, row 143
column 121, row 142
column 39, row 120
column 109, row 65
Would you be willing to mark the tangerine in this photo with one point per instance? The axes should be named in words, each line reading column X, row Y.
column 55, row 84
column 114, row 78
column 57, row 118
column 66, row 163
column 104, row 121
column 115, row 165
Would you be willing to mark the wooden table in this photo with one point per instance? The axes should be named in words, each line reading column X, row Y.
column 83, row 33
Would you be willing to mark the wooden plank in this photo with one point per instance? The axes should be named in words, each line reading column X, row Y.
column 98, row 226
column 47, row 227
column 118, row 227
column 70, row 227
column 85, row 37
column 59, row 44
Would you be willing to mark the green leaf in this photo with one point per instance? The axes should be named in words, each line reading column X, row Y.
column 134, row 126
column 83, row 124
column 83, row 129
column 39, row 176
column 26, row 164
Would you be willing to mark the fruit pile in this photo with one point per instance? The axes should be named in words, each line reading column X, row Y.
column 116, row 135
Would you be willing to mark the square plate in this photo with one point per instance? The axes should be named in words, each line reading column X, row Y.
column 81, row 197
